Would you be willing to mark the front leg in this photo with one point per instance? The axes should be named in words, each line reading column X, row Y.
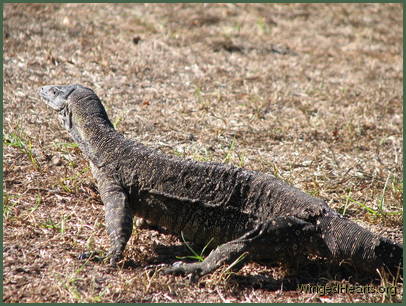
column 118, row 218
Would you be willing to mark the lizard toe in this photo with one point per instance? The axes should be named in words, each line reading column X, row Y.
column 93, row 255
column 194, row 269
column 113, row 257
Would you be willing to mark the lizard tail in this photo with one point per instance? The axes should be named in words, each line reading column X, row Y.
column 346, row 240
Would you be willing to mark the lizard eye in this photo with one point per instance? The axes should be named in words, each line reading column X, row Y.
column 54, row 92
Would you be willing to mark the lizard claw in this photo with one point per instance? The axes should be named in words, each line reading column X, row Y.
column 93, row 255
column 178, row 268
column 114, row 258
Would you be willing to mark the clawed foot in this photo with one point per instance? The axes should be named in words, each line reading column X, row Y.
column 195, row 270
column 111, row 257
column 93, row 256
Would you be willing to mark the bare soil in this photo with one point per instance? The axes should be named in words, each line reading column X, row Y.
column 309, row 93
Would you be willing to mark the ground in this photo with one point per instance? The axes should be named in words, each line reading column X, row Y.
column 309, row 93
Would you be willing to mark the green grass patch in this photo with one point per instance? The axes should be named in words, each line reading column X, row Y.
column 70, row 184
column 55, row 225
column 195, row 256
column 20, row 141
column 66, row 145
column 9, row 202
column 232, row 154
column 375, row 212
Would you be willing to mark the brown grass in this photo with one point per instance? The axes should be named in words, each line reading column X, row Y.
column 310, row 93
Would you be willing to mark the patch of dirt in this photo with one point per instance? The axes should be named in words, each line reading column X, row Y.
column 310, row 93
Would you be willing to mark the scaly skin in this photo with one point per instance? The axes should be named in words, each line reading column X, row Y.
column 242, row 211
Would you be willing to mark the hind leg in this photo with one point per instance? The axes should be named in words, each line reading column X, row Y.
column 270, row 236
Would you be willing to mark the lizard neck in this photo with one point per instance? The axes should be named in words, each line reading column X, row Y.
column 91, row 128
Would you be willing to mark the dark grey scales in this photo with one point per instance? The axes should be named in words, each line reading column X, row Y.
column 242, row 211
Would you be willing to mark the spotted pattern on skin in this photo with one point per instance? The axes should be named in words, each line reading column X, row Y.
column 243, row 210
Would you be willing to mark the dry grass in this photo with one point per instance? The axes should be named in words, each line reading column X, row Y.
column 310, row 93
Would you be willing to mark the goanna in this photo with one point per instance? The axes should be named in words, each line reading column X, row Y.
column 241, row 211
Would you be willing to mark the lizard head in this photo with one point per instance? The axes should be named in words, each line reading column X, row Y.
column 57, row 96
column 78, row 107
column 65, row 98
